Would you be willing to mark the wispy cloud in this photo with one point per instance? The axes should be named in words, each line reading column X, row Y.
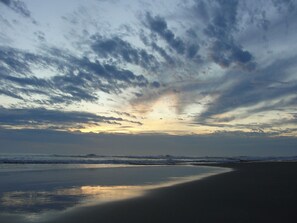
column 158, row 25
column 80, row 78
column 223, row 65
column 122, row 51
column 17, row 6
column 45, row 118
column 247, row 91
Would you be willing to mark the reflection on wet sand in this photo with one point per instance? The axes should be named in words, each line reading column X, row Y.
column 37, row 196
column 38, row 201
column 33, row 206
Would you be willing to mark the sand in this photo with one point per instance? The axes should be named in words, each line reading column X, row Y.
column 253, row 192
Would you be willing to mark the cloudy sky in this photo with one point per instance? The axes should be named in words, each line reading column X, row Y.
column 210, row 69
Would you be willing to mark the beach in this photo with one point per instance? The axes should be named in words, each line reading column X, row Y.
column 34, row 192
column 167, row 111
column 253, row 192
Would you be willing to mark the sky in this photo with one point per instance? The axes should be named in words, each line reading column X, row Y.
column 186, row 77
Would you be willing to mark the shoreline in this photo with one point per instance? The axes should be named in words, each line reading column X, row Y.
column 22, row 204
column 252, row 192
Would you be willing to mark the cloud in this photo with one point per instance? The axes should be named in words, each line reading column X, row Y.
column 125, row 114
column 227, row 53
column 266, row 85
column 79, row 79
column 17, row 6
column 158, row 24
column 221, row 18
column 288, row 5
column 276, row 127
column 221, row 63
column 192, row 51
column 118, row 49
column 9, row 93
column 224, row 25
column 221, row 24
column 77, row 143
column 41, row 117
column 161, row 51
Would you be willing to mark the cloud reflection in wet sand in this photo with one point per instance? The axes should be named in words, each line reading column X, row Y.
column 38, row 201
column 22, row 206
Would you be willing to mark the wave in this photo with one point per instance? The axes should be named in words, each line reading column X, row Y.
column 132, row 160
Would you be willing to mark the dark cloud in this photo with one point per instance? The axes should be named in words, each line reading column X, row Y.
column 274, row 128
column 14, row 60
column 79, row 80
column 220, row 28
column 125, row 114
column 217, row 144
column 14, row 86
column 200, row 10
column 264, row 86
column 6, row 2
column 163, row 53
column 192, row 51
column 119, row 49
column 14, row 117
column 9, row 93
column 26, row 81
column 158, row 25
column 17, row 6
column 222, row 19
column 152, row 44
column 227, row 53
column 287, row 5
column 155, row 84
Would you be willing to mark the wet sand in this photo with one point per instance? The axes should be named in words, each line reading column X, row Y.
column 253, row 192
